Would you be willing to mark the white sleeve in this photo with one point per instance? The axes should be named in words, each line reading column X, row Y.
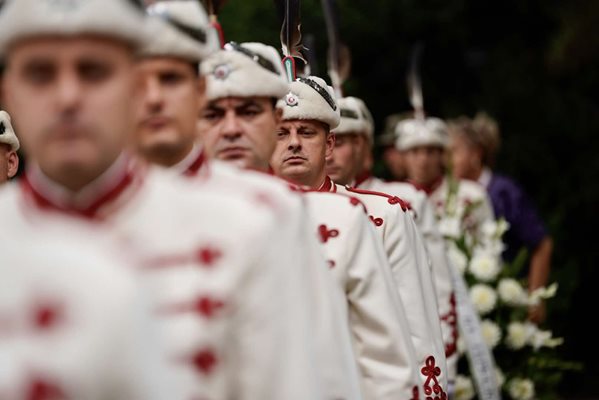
column 412, row 272
column 435, row 246
column 377, row 319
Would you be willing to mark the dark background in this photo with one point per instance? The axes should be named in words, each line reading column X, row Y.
column 533, row 65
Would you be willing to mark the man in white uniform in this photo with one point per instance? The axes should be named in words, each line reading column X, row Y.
column 304, row 143
column 214, row 262
column 173, row 90
column 239, row 126
column 348, row 165
column 9, row 144
column 462, row 206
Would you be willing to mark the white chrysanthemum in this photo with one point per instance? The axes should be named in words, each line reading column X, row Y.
column 483, row 297
column 542, row 293
column 511, row 292
column 484, row 266
column 464, row 389
column 494, row 229
column 499, row 377
column 521, row 389
column 457, row 258
column 491, row 332
column 540, row 338
column 518, row 334
column 450, row 227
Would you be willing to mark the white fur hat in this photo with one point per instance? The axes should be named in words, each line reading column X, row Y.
column 180, row 28
column 119, row 19
column 7, row 134
column 417, row 132
column 355, row 118
column 311, row 98
column 245, row 70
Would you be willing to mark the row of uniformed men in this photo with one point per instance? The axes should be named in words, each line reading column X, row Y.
column 202, row 280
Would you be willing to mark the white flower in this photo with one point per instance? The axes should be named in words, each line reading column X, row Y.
column 483, row 297
column 464, row 389
column 484, row 266
column 541, row 338
column 511, row 292
column 519, row 334
column 499, row 377
column 450, row 227
column 494, row 229
column 521, row 389
column 457, row 258
column 542, row 293
column 491, row 332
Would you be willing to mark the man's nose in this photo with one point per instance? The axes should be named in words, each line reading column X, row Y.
column 295, row 143
column 69, row 92
column 231, row 128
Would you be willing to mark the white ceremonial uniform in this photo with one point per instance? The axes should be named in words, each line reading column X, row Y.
column 376, row 318
column 228, row 296
column 424, row 216
column 462, row 206
column 326, row 303
column 74, row 324
column 410, row 266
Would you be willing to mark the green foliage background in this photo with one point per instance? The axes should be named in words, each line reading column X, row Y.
column 534, row 65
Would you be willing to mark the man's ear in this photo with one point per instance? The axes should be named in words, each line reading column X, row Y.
column 278, row 115
column 330, row 144
column 13, row 164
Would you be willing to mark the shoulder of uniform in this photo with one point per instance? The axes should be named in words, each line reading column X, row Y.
column 393, row 200
column 338, row 197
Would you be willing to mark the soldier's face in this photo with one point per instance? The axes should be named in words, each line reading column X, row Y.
column 395, row 161
column 342, row 165
column 168, row 109
column 424, row 164
column 240, row 130
column 9, row 163
column 70, row 99
column 301, row 151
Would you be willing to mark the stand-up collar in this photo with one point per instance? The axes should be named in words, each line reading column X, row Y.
column 88, row 202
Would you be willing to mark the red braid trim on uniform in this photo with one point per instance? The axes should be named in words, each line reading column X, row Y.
column 429, row 189
column 390, row 199
column 327, row 186
column 90, row 211
column 197, row 164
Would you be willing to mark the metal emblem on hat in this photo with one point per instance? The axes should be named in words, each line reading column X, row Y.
column 291, row 100
column 222, row 71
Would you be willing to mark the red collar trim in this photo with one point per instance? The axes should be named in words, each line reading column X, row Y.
column 430, row 188
column 327, row 186
column 91, row 211
column 196, row 165
column 361, row 178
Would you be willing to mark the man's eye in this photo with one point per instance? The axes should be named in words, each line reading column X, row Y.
column 308, row 133
column 170, row 78
column 40, row 74
column 282, row 134
column 94, row 72
column 210, row 116
column 249, row 112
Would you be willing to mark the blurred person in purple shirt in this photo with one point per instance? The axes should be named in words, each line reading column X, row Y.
column 474, row 145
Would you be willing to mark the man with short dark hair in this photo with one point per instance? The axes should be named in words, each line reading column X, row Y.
column 304, row 143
